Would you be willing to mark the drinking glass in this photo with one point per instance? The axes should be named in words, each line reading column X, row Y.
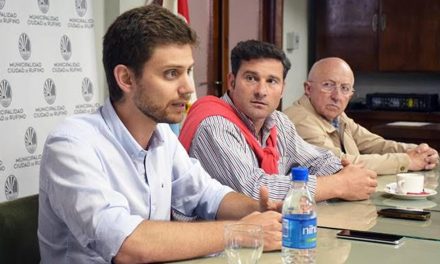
column 243, row 243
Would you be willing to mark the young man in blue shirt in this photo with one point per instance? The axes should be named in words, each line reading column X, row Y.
column 110, row 181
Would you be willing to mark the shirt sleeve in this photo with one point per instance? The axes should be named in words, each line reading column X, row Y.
column 376, row 153
column 81, row 196
column 370, row 143
column 195, row 192
column 373, row 148
column 319, row 161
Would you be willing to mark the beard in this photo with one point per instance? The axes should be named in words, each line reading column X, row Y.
column 154, row 110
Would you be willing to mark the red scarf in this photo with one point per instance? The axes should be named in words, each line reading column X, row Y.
column 212, row 106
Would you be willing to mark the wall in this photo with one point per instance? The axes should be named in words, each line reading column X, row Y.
column 48, row 71
column 295, row 20
column 41, row 84
column 199, row 13
column 243, row 11
column 125, row 5
column 106, row 13
column 100, row 27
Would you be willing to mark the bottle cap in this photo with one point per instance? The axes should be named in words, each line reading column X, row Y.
column 300, row 174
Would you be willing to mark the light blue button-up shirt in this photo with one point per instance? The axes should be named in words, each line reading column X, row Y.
column 97, row 184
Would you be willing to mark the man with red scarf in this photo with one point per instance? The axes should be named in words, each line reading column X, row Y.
column 243, row 142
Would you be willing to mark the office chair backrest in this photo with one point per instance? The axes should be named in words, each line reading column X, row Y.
column 18, row 231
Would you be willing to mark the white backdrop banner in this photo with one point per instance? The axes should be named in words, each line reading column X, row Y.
column 47, row 72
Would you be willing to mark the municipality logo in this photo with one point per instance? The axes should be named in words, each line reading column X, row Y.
column 43, row 5
column 11, row 188
column 49, row 91
column 5, row 93
column 30, row 140
column 24, row 46
column 65, row 47
column 87, row 89
column 81, row 7
column 2, row 4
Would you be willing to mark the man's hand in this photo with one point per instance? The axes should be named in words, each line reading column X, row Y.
column 345, row 162
column 266, row 204
column 422, row 157
column 271, row 223
column 356, row 182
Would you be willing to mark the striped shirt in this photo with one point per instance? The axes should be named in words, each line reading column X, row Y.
column 224, row 153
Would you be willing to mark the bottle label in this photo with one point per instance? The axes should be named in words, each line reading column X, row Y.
column 299, row 231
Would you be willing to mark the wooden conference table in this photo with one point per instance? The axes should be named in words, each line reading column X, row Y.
column 421, row 242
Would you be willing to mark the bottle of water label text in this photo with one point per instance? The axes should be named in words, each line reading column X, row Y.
column 299, row 231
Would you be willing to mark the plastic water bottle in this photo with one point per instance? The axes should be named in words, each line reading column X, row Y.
column 299, row 221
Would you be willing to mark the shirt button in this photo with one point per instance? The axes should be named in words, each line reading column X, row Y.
column 402, row 168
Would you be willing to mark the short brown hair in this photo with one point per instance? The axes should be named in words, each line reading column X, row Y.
column 133, row 36
column 256, row 49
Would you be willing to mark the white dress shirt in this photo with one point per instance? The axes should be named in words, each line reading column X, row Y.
column 97, row 184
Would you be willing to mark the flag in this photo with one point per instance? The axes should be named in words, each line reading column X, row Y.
column 180, row 8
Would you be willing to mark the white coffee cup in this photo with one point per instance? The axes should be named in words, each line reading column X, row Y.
column 409, row 183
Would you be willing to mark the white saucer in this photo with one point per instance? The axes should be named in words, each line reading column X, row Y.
column 391, row 189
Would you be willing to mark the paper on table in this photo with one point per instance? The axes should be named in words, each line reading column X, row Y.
column 406, row 123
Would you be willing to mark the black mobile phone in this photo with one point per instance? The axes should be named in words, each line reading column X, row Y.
column 370, row 236
column 405, row 214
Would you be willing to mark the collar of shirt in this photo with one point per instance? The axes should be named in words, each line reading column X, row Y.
column 123, row 135
column 335, row 123
column 268, row 123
